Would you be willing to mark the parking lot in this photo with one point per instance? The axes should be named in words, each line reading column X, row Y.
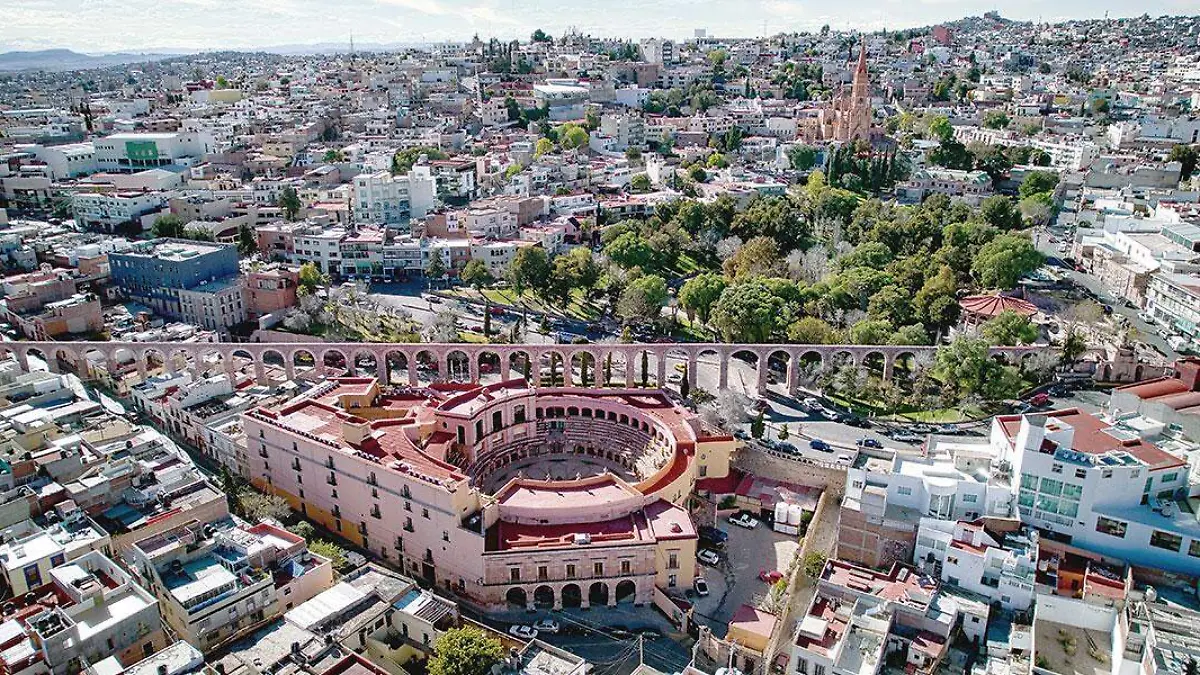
column 734, row 581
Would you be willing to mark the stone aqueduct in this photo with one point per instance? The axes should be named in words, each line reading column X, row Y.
column 507, row 360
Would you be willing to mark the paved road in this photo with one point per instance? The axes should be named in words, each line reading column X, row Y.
column 1091, row 284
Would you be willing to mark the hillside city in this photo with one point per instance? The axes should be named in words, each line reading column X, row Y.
column 820, row 353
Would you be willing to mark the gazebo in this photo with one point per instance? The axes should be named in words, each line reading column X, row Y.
column 977, row 309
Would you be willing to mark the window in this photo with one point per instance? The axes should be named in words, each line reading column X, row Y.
column 514, row 574
column 1165, row 540
column 904, row 491
column 970, row 499
column 1194, row 548
column 445, row 535
column 818, row 669
column 672, row 580
column 802, row 666
column 425, row 513
column 672, row 561
column 1170, row 477
column 1051, row 487
column 1080, row 473
column 598, row 569
column 570, row 570
column 626, row 567
column 543, row 573
column 1056, row 468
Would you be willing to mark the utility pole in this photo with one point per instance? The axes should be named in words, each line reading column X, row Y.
column 641, row 650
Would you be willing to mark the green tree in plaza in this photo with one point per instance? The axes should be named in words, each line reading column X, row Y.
column 645, row 368
column 964, row 368
column 758, row 426
column 747, row 312
column 685, row 385
column 1036, row 182
column 465, row 651
column 1004, row 260
column 811, row 330
column 168, row 226
column 643, row 299
column 698, row 295
column 476, row 274
column 529, row 269
column 289, row 201
column 802, row 157
column 1009, row 329
column 995, row 119
column 640, row 183
column 436, row 269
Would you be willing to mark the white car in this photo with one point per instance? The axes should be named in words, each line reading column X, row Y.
column 701, row 586
column 546, row 626
column 523, row 632
column 744, row 520
column 830, row 415
column 1147, row 317
column 708, row 556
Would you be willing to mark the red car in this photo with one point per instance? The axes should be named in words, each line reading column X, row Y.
column 1040, row 399
column 769, row 576
column 496, row 311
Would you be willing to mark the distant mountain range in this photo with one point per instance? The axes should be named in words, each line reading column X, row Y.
column 65, row 59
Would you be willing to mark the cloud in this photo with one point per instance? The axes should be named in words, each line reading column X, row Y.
column 430, row 7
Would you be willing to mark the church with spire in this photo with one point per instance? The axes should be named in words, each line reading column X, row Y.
column 849, row 117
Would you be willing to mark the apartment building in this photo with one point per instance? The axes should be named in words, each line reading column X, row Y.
column 88, row 610
column 130, row 152
column 155, row 273
column 32, row 549
column 383, row 199
column 106, row 211
column 217, row 581
column 214, row 305
column 1000, row 566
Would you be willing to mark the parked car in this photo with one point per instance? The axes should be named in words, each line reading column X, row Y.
column 496, row 310
column 845, row 458
column 818, row 444
column 523, row 632
column 811, row 403
column 546, row 626
column 906, row 437
column 1147, row 317
column 830, row 415
column 769, row 576
column 675, row 378
column 701, row 586
column 1040, row 399
column 708, row 556
column 743, row 519
column 434, row 300
column 869, row 443
column 714, row 534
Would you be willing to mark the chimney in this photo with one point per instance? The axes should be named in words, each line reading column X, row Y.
column 355, row 430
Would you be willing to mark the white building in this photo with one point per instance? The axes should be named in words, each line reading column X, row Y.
column 100, row 613
column 385, row 199
column 30, row 551
column 966, row 555
column 128, row 152
column 215, row 305
column 67, row 161
column 659, row 51
column 107, row 210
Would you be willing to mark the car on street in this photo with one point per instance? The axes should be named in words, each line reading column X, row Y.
column 906, row 437
column 741, row 435
column 1147, row 317
column 675, row 378
column 820, row 445
column 869, row 443
column 434, row 300
column 845, row 458
column 523, row 632
column 1040, row 399
column 810, row 403
column 743, row 519
column 546, row 626
column 830, row 415
column 708, row 556
column 496, row 310
column 856, row 421
column 769, row 576
column 701, row 586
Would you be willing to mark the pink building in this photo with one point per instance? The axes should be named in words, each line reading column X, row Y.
column 504, row 493
column 271, row 289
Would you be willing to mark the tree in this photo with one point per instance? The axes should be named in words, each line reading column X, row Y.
column 998, row 212
column 1037, row 208
column 633, row 154
column 643, row 299
column 222, row 83
column 698, row 295
column 168, row 225
column 571, row 136
column 747, row 312
column 640, row 183
column 1038, row 181
column 1004, row 260
column 403, row 160
column 802, row 157
column 940, row 128
column 811, row 330
column 543, row 146
column 476, row 274
column 784, row 433
column 1187, row 157
column 529, row 269
column 311, row 277
column 1009, row 329
column 995, row 119
column 576, row 268
column 289, row 201
column 871, row 332
column 436, row 269
column 247, row 242
column 758, row 426
column 814, row 564
column 443, row 328
column 303, row 529
column 257, row 506
column 685, row 386
column 697, row 173
column 630, row 249
column 1073, row 346
column 465, row 651
column 964, row 367
column 757, row 257
column 326, row 549
column 540, row 35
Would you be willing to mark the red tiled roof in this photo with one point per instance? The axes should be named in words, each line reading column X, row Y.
column 1151, row 389
column 1091, row 437
column 993, row 305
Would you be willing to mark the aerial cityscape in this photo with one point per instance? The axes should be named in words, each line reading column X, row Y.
column 417, row 337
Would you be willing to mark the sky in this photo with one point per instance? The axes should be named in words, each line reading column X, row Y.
column 98, row 26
